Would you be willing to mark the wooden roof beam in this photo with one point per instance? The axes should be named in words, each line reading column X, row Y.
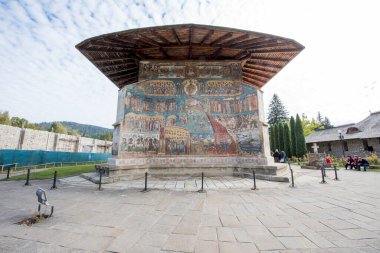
column 162, row 38
column 126, row 80
column 162, row 50
column 249, row 41
column 122, row 74
column 258, row 73
column 276, row 50
column 111, row 72
column 253, row 82
column 206, row 37
column 190, row 43
column 237, row 39
column 108, row 50
column 112, row 59
column 107, row 45
column 122, row 77
column 252, row 66
column 261, row 58
column 175, row 35
column 216, row 53
column 148, row 40
column 241, row 55
column 255, row 79
column 221, row 38
column 118, row 42
column 116, row 65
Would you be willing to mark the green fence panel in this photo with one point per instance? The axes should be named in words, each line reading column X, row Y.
column 35, row 157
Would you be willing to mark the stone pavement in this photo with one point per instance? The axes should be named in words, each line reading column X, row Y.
column 340, row 216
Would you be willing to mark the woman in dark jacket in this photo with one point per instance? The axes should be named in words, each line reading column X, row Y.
column 350, row 162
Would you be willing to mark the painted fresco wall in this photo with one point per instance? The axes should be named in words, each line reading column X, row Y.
column 190, row 109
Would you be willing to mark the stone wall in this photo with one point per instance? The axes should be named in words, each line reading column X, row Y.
column 29, row 139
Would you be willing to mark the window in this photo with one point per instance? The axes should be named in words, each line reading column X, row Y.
column 365, row 145
column 329, row 146
column 345, row 145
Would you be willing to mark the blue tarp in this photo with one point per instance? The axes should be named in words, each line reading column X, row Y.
column 35, row 157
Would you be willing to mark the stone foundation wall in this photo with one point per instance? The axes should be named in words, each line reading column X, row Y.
column 29, row 139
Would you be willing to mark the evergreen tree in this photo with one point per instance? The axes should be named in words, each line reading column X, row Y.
column 300, row 138
column 319, row 118
column 275, row 137
column 326, row 123
column 271, row 139
column 277, row 112
column 293, row 136
column 287, row 141
column 281, row 136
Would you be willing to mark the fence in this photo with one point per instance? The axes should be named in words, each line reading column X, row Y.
column 34, row 157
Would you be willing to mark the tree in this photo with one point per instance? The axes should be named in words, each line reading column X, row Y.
column 275, row 137
column 319, row 118
column 300, row 138
column 281, row 136
column 326, row 123
column 106, row 136
column 4, row 118
column 309, row 126
column 271, row 138
column 18, row 122
column 293, row 136
column 57, row 127
column 277, row 112
column 287, row 141
column 74, row 132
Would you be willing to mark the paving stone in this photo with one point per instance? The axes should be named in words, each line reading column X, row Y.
column 207, row 234
column 230, row 247
column 172, row 220
column 210, row 221
column 338, row 224
column 186, row 228
column 297, row 243
column 241, row 235
column 125, row 241
column 359, row 233
column 284, row 232
column 206, row 247
column 225, row 234
column 229, row 221
column 153, row 239
column 182, row 243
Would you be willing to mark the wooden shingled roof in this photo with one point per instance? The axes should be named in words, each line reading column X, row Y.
column 117, row 55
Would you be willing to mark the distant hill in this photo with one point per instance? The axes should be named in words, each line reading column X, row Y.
column 83, row 129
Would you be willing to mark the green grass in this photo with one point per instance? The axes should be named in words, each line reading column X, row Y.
column 67, row 171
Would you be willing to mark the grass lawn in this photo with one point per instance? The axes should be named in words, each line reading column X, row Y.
column 62, row 172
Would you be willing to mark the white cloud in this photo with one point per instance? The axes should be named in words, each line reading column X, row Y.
column 43, row 76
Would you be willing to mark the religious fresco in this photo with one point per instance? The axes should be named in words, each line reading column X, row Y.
column 190, row 109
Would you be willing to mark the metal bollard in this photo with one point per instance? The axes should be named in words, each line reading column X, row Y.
column 8, row 173
column 336, row 174
column 323, row 175
column 100, row 179
column 254, row 180
column 291, row 173
column 54, row 181
column 146, row 181
column 27, row 178
column 201, row 190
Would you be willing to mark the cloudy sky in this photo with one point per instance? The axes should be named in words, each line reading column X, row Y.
column 44, row 78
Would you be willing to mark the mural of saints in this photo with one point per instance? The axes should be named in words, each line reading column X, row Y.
column 178, row 116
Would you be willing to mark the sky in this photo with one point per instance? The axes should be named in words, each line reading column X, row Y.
column 44, row 78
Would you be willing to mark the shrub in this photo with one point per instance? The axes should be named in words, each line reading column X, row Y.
column 372, row 158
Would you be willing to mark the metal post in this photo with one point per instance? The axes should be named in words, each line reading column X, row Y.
column 336, row 173
column 100, row 179
column 8, row 172
column 202, row 182
column 291, row 172
column 54, row 181
column 254, row 180
column 323, row 176
column 146, row 181
column 27, row 178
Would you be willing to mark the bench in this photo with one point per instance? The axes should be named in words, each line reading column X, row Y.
column 42, row 200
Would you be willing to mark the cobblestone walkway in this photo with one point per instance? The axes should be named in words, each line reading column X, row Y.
column 340, row 216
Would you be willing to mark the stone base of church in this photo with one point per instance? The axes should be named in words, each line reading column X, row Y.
column 133, row 168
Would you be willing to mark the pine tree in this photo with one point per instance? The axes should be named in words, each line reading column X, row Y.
column 271, row 139
column 319, row 118
column 275, row 137
column 287, row 141
column 281, row 136
column 277, row 112
column 300, row 138
column 326, row 123
column 293, row 136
